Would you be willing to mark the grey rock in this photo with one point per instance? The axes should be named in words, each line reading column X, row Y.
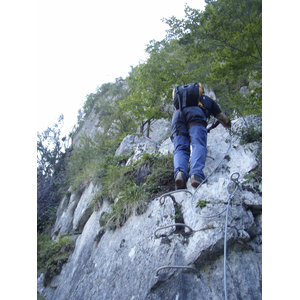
column 209, row 92
column 74, row 212
column 137, row 146
column 244, row 90
column 90, row 127
column 124, row 263
column 160, row 130
column 166, row 147
column 64, row 221
column 84, row 208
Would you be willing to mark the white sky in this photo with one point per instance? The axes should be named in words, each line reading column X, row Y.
column 83, row 44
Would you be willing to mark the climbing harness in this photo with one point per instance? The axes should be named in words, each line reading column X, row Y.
column 234, row 181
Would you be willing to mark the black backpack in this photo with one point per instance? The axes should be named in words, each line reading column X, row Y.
column 188, row 95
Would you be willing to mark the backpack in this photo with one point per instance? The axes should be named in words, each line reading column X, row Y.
column 188, row 95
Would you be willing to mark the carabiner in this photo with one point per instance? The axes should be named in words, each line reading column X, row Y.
column 235, row 176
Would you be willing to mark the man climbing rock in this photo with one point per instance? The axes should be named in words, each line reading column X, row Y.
column 189, row 128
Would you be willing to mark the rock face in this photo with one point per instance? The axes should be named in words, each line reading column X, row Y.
column 160, row 130
column 90, row 127
column 137, row 260
column 137, row 144
column 74, row 211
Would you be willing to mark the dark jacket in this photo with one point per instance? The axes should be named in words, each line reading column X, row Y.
column 193, row 115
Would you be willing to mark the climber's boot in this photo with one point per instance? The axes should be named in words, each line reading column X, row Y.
column 180, row 181
column 196, row 180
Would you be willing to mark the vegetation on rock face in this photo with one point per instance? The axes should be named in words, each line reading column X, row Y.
column 88, row 158
column 53, row 153
column 202, row 203
column 52, row 254
column 131, row 187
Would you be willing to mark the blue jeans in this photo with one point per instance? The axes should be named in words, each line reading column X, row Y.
column 198, row 140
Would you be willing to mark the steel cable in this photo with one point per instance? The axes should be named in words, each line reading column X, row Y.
column 234, row 178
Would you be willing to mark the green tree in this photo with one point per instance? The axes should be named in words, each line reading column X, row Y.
column 220, row 46
column 229, row 35
column 52, row 156
column 151, row 83
column 146, row 99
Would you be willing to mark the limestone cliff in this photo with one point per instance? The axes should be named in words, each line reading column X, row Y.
column 126, row 263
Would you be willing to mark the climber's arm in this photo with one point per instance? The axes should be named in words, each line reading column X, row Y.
column 225, row 121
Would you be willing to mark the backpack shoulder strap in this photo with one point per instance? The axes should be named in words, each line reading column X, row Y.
column 201, row 90
column 185, row 88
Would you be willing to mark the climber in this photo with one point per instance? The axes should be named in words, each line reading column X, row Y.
column 189, row 127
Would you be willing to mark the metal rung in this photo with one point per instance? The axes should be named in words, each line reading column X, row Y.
column 173, row 192
column 178, row 267
column 175, row 224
